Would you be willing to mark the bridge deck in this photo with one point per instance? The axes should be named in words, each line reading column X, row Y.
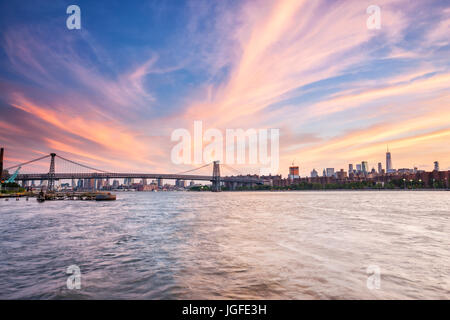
column 61, row 176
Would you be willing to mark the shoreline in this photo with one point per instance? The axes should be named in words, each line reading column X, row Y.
column 331, row 190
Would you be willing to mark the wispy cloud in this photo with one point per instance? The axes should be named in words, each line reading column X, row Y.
column 310, row 68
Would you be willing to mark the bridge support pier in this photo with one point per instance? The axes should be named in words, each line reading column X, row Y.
column 216, row 177
column 51, row 173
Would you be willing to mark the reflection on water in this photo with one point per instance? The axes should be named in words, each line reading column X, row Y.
column 244, row 245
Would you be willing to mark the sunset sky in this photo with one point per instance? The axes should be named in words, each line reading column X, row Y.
column 110, row 95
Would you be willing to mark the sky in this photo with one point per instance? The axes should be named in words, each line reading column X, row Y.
column 111, row 93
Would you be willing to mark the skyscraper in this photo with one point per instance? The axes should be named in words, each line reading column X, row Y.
column 294, row 172
column 128, row 181
column 314, row 173
column 365, row 167
column 330, row 172
column 350, row 168
column 380, row 168
column 388, row 161
column 100, row 184
column 436, row 166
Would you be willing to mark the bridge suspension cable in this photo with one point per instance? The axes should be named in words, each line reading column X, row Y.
column 82, row 165
column 208, row 164
column 28, row 162
column 232, row 169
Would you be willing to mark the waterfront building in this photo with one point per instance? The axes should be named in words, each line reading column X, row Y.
column 146, row 187
column 294, row 172
column 128, row 182
column 341, row 175
column 180, row 183
column 91, row 183
column 100, row 184
column 330, row 172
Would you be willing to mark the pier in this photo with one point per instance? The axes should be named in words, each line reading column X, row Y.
column 53, row 196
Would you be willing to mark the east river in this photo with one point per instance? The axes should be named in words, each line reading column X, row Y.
column 229, row 245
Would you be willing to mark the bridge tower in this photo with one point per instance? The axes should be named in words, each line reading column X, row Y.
column 216, row 177
column 1, row 162
column 51, row 173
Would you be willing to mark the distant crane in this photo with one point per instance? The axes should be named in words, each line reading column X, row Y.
column 14, row 175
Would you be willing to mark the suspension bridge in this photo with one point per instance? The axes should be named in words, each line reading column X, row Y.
column 60, row 168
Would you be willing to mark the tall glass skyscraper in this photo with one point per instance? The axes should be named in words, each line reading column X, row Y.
column 388, row 161
column 365, row 167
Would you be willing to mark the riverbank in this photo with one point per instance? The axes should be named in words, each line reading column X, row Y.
column 329, row 190
column 16, row 195
column 50, row 196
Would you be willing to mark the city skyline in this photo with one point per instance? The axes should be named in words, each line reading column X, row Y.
column 112, row 92
column 377, row 166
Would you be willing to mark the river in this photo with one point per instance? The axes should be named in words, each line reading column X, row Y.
column 230, row 245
